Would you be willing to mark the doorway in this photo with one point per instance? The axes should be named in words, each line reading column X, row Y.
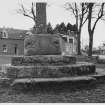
column 16, row 49
column 69, row 46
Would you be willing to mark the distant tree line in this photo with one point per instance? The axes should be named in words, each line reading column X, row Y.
column 61, row 28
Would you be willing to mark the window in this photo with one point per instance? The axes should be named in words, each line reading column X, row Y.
column 16, row 49
column 4, row 48
column 4, row 35
column 65, row 39
column 70, row 40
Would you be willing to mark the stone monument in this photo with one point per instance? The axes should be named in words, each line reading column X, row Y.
column 42, row 43
column 43, row 57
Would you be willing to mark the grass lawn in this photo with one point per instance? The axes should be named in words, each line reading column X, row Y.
column 48, row 93
column 54, row 93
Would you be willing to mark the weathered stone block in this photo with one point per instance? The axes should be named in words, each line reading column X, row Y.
column 43, row 60
column 42, row 44
column 49, row 71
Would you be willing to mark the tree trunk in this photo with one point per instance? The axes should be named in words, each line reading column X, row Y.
column 90, row 31
column 90, row 44
column 79, row 43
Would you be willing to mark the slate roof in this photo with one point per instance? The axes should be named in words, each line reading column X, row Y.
column 14, row 33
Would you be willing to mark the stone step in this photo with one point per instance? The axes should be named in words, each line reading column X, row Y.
column 93, row 77
column 42, row 60
column 43, row 80
column 77, row 69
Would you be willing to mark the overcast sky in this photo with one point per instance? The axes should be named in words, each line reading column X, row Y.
column 56, row 13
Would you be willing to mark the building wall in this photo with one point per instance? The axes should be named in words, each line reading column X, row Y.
column 12, row 45
column 69, row 48
column 75, row 46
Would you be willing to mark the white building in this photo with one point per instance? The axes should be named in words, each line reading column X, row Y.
column 69, row 44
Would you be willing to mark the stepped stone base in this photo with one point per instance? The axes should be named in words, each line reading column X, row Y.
column 43, row 60
column 50, row 71
column 46, row 66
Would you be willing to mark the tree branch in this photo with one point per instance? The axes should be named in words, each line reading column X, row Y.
column 33, row 11
column 100, row 15
column 26, row 12
column 84, row 11
column 71, row 8
column 84, row 21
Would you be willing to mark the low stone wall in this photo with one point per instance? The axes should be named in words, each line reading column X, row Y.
column 43, row 60
column 92, row 59
column 101, row 61
column 50, row 71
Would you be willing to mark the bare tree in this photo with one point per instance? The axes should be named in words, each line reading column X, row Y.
column 96, row 13
column 80, row 13
column 30, row 12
